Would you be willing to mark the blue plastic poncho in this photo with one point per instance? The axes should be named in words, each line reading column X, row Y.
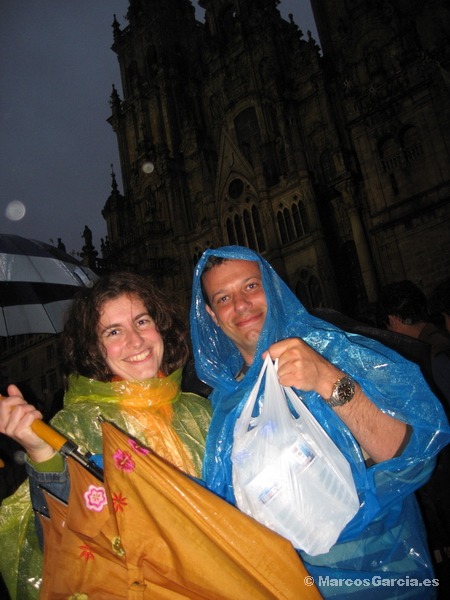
column 383, row 550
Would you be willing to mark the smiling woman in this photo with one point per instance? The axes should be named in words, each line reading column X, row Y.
column 123, row 352
column 132, row 344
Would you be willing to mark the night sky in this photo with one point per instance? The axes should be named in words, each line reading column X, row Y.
column 57, row 70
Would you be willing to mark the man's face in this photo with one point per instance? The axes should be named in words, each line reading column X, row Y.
column 238, row 302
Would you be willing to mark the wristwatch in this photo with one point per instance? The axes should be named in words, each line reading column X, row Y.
column 343, row 392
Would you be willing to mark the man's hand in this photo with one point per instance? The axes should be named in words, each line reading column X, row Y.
column 302, row 367
column 299, row 366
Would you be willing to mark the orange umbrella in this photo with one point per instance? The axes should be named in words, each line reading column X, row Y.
column 150, row 531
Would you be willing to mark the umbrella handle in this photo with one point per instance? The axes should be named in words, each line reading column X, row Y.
column 64, row 446
column 52, row 437
column 61, row 444
column 48, row 434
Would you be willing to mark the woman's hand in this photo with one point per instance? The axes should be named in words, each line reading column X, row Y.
column 16, row 418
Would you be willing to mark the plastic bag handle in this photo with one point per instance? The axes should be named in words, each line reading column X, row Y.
column 246, row 415
column 269, row 367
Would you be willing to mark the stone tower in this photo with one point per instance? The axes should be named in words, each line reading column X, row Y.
column 387, row 70
column 238, row 131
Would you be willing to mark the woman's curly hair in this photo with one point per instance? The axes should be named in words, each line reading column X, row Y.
column 82, row 350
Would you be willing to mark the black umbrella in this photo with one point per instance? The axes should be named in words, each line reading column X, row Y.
column 37, row 285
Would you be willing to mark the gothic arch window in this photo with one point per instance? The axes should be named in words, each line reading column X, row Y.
column 309, row 290
column 289, row 224
column 231, row 233
column 249, row 231
column 293, row 222
column 300, row 219
column 245, row 230
column 282, row 227
column 261, row 244
column 239, row 230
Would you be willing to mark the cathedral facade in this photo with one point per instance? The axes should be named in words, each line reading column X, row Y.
column 332, row 161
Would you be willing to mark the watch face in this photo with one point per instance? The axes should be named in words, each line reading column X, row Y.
column 346, row 389
column 343, row 392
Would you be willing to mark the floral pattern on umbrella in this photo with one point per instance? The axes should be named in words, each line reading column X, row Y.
column 83, row 557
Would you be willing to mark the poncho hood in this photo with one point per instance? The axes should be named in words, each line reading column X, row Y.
column 217, row 359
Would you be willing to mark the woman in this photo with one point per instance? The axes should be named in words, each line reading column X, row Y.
column 123, row 351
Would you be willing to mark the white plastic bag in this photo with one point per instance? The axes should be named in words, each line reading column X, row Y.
column 287, row 472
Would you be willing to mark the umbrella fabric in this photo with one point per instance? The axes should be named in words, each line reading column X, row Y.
column 37, row 284
column 157, row 534
column 81, row 544
column 52, row 533
column 52, row 528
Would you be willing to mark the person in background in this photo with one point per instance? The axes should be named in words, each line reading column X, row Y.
column 124, row 348
column 403, row 308
column 374, row 405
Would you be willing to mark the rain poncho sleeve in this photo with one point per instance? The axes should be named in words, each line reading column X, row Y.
column 155, row 411
column 386, row 538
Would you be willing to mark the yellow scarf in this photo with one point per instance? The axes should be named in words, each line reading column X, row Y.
column 148, row 404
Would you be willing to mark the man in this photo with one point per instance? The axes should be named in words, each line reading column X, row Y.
column 373, row 404
column 402, row 308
